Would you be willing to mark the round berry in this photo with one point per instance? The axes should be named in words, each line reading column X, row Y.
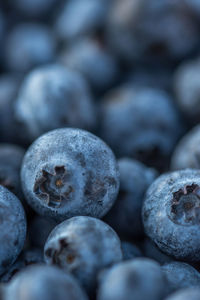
column 187, row 151
column 29, row 45
column 69, row 172
column 180, row 275
column 137, row 279
column 41, row 282
column 83, row 246
column 12, row 228
column 171, row 214
column 54, row 97
column 139, row 122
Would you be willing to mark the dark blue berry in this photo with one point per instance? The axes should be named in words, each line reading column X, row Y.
column 29, row 45
column 139, row 122
column 41, row 282
column 52, row 97
column 137, row 279
column 12, row 228
column 93, row 60
column 186, row 88
column 80, row 17
column 83, row 246
column 133, row 34
column 180, row 275
column 187, row 151
column 69, row 172
column 171, row 214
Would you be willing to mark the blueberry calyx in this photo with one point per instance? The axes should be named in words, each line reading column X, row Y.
column 53, row 188
column 185, row 208
column 63, row 255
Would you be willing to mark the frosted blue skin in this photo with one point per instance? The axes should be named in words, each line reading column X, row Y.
column 133, row 35
column 125, row 215
column 140, row 120
column 29, row 45
column 69, row 172
column 136, row 279
column 185, row 294
column 93, row 60
column 187, row 153
column 62, row 99
column 80, row 17
column 12, row 229
column 41, row 282
column 180, row 275
column 170, row 214
column 83, row 246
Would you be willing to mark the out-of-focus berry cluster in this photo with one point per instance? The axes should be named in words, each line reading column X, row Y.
column 100, row 149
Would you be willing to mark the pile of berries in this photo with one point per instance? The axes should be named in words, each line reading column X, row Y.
column 100, row 150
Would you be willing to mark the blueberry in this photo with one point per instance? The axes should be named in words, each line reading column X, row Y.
column 187, row 151
column 52, row 97
column 12, row 228
column 11, row 157
column 9, row 85
column 137, row 279
column 83, row 246
column 91, row 58
column 130, row 251
column 171, row 214
column 80, row 17
column 153, row 252
column 133, row 34
column 187, row 90
column 44, row 282
column 125, row 215
column 29, row 45
column 180, row 275
column 69, row 172
column 185, row 294
column 140, row 122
